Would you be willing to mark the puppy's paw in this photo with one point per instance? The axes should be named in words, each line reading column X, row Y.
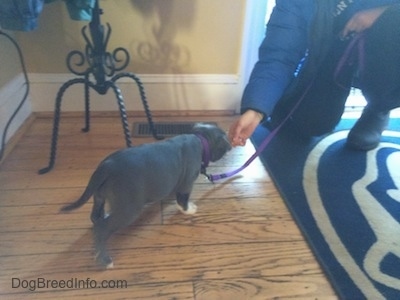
column 110, row 265
column 191, row 210
column 104, row 261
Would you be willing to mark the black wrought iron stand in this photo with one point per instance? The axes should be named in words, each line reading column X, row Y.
column 102, row 66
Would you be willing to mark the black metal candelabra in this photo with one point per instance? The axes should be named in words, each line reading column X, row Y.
column 102, row 66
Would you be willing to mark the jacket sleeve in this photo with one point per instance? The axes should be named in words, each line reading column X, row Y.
column 282, row 49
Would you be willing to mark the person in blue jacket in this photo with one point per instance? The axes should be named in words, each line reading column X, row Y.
column 299, row 33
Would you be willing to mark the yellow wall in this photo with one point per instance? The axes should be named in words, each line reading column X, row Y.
column 162, row 36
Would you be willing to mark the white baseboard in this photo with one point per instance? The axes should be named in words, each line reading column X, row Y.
column 164, row 92
column 11, row 95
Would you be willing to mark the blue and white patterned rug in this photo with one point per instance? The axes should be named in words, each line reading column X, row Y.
column 347, row 204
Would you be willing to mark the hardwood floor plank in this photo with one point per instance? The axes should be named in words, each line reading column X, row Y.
column 57, row 241
column 278, row 287
column 211, row 209
column 170, row 264
column 250, row 210
column 38, row 217
column 55, row 179
column 166, row 291
column 203, row 190
column 37, row 196
column 308, row 287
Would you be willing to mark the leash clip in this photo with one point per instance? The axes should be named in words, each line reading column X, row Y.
column 204, row 172
column 209, row 177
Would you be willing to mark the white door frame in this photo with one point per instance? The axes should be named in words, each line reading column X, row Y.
column 253, row 34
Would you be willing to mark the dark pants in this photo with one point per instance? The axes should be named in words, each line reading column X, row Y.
column 380, row 80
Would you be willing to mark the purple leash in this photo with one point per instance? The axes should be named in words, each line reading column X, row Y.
column 358, row 40
column 260, row 149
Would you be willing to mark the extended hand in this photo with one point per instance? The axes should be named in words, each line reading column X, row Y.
column 244, row 127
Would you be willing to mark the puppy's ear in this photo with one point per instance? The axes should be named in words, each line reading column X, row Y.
column 216, row 137
column 201, row 128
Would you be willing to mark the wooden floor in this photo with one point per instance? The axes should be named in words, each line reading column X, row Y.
column 241, row 244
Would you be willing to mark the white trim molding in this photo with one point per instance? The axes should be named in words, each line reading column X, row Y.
column 164, row 92
column 11, row 95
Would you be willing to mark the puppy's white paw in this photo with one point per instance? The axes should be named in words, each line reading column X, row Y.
column 191, row 210
column 104, row 260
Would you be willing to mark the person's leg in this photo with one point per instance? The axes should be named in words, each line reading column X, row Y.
column 379, row 81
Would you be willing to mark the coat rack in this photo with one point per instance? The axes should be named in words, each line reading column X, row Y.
column 102, row 67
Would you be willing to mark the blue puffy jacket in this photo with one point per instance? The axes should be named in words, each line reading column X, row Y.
column 284, row 46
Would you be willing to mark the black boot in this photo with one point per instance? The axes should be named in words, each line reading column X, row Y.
column 366, row 133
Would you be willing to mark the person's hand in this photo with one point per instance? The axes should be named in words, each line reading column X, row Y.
column 244, row 127
column 362, row 20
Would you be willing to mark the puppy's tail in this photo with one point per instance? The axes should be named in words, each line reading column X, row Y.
column 95, row 182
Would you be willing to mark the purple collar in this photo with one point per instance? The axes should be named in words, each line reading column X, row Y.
column 205, row 157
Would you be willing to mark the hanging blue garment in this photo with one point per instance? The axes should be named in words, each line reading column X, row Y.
column 20, row 14
column 23, row 15
column 78, row 10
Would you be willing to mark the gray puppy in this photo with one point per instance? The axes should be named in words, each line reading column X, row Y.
column 130, row 178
